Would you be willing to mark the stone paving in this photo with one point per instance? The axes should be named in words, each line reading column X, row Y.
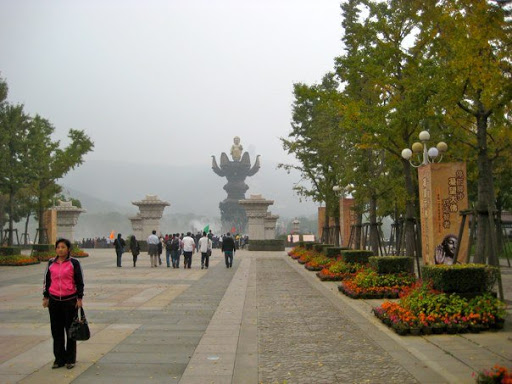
column 305, row 339
column 266, row 320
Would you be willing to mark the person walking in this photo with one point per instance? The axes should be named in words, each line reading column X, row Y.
column 153, row 241
column 119, row 244
column 188, row 249
column 63, row 290
column 134, row 249
column 228, row 247
column 205, row 247
column 160, row 249
column 175, row 249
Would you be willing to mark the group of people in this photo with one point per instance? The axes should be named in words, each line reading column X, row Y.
column 176, row 245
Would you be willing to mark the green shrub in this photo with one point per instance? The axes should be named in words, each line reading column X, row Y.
column 309, row 245
column 266, row 245
column 10, row 251
column 301, row 244
column 461, row 278
column 334, row 251
column 325, row 246
column 392, row 264
column 318, row 247
column 356, row 256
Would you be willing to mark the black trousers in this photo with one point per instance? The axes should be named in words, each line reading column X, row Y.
column 62, row 314
column 119, row 253
column 205, row 259
column 228, row 255
column 187, row 262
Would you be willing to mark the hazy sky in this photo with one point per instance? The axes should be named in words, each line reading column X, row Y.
column 170, row 81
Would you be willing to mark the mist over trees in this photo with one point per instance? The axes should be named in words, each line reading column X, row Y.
column 409, row 66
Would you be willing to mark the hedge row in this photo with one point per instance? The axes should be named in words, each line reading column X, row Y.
column 461, row 278
column 392, row 264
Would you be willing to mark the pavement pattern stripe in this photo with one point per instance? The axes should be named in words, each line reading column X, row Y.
column 160, row 349
column 214, row 358
column 303, row 338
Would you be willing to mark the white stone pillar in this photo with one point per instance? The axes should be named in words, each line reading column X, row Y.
column 67, row 217
column 256, row 211
column 151, row 211
column 270, row 226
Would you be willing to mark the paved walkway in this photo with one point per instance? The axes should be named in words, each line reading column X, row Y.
column 266, row 320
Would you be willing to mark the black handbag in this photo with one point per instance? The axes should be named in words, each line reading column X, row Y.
column 79, row 329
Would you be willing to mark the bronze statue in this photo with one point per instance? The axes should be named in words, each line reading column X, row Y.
column 236, row 170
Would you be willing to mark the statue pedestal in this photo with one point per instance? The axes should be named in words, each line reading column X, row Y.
column 67, row 217
column 151, row 211
column 256, row 211
column 270, row 226
column 443, row 193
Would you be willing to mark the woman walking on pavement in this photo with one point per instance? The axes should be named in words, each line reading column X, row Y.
column 63, row 289
column 134, row 249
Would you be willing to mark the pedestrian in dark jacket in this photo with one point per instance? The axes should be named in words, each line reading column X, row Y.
column 119, row 243
column 228, row 247
column 134, row 249
column 63, row 290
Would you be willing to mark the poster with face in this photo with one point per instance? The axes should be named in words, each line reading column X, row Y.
column 443, row 194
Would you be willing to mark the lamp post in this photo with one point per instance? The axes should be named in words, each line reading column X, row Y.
column 430, row 155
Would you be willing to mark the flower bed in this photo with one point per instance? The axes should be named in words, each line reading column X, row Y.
column 339, row 271
column 496, row 375
column 17, row 260
column 368, row 284
column 318, row 263
column 436, row 312
column 297, row 252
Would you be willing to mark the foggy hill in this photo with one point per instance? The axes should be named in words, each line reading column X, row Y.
column 110, row 186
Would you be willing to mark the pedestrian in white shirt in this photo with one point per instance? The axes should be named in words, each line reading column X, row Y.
column 188, row 249
column 205, row 247
column 153, row 242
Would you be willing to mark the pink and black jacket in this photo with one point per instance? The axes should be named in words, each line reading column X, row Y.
column 64, row 281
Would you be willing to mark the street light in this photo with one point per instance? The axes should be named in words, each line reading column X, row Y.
column 430, row 155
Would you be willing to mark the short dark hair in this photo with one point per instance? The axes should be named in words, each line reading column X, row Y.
column 153, row 231
column 204, row 233
column 65, row 241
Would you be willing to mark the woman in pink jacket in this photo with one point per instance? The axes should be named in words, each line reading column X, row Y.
column 63, row 291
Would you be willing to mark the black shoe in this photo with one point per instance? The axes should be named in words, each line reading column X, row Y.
column 202, row 266
column 57, row 365
column 70, row 365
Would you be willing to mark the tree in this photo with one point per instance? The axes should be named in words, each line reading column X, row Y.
column 473, row 40
column 53, row 163
column 315, row 118
column 15, row 156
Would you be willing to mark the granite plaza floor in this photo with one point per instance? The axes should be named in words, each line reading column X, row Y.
column 266, row 320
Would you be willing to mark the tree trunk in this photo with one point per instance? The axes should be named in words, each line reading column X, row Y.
column 499, row 228
column 485, row 192
column 337, row 242
column 409, row 211
column 10, row 240
column 359, row 226
column 325, row 232
column 42, row 230
column 374, row 233
column 25, row 235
